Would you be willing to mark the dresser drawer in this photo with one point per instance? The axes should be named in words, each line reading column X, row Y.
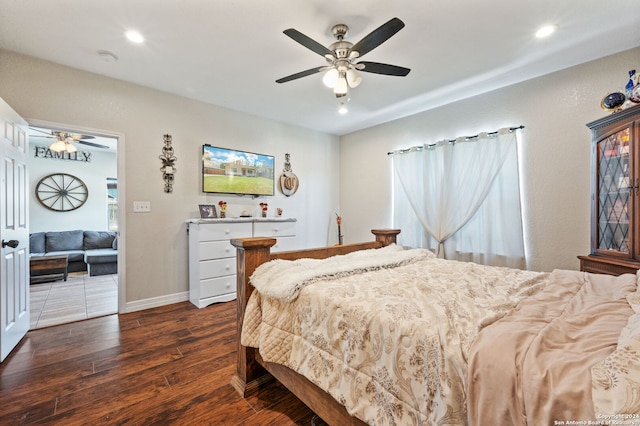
column 217, row 268
column 224, row 231
column 216, row 250
column 217, row 286
column 274, row 229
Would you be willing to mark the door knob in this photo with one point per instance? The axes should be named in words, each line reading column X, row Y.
column 10, row 243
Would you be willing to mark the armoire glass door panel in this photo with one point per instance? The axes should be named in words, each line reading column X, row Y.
column 614, row 192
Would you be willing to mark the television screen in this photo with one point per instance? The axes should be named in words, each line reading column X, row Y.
column 230, row 171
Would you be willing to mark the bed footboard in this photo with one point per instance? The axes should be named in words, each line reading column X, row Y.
column 251, row 253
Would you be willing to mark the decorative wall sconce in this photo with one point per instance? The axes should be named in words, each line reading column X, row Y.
column 168, row 168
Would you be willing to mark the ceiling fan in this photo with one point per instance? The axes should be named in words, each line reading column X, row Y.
column 65, row 141
column 342, row 69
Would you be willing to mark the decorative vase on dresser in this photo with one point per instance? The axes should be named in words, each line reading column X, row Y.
column 212, row 258
column 615, row 201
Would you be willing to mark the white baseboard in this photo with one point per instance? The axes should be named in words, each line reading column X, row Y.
column 154, row 302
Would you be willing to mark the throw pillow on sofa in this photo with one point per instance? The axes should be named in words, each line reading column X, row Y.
column 98, row 239
column 64, row 241
column 36, row 242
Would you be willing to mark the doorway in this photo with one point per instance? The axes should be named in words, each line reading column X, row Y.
column 91, row 159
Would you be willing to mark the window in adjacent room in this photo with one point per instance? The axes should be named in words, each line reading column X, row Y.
column 112, row 203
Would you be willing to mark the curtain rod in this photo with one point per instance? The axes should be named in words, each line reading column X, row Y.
column 452, row 141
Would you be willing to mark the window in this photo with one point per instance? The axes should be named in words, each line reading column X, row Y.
column 462, row 199
column 112, row 203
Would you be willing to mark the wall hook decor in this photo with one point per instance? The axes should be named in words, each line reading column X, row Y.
column 168, row 168
column 288, row 180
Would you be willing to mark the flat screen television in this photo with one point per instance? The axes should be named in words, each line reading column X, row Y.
column 231, row 171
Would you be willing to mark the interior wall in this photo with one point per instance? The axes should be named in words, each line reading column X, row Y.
column 92, row 215
column 555, row 152
column 156, row 242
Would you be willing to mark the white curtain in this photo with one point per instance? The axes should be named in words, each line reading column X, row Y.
column 462, row 199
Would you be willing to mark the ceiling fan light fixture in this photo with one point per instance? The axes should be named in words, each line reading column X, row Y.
column 70, row 147
column 353, row 78
column 330, row 78
column 62, row 145
column 341, row 86
column 58, row 146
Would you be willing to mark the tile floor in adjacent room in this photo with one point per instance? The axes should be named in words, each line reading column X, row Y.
column 78, row 298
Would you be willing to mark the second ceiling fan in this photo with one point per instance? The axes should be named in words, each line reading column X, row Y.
column 65, row 141
column 342, row 70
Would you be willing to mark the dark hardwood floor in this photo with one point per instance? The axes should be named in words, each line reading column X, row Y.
column 167, row 365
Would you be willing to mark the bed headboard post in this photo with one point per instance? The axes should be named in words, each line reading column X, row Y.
column 386, row 236
column 251, row 252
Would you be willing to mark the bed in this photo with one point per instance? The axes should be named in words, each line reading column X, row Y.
column 374, row 334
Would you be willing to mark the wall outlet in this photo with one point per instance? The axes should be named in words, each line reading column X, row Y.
column 141, row 206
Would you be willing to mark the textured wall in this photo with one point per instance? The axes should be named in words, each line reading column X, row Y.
column 156, row 242
column 555, row 154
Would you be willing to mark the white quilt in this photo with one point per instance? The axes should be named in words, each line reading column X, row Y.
column 283, row 279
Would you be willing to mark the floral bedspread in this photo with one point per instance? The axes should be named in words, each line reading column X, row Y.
column 390, row 345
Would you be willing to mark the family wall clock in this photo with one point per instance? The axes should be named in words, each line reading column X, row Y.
column 61, row 192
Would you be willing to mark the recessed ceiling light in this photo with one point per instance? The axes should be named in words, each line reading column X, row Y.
column 545, row 31
column 135, row 37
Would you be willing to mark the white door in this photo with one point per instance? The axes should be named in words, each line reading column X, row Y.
column 14, row 229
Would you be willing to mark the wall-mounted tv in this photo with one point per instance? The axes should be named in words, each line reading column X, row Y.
column 231, row 171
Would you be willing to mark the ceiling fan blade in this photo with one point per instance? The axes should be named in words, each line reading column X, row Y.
column 77, row 137
column 308, row 42
column 386, row 69
column 96, row 145
column 48, row 134
column 378, row 36
column 301, row 74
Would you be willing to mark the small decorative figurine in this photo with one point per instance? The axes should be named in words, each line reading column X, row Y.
column 223, row 208
column 613, row 101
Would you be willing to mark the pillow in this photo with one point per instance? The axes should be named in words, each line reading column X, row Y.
column 115, row 243
column 98, row 239
column 36, row 242
column 63, row 241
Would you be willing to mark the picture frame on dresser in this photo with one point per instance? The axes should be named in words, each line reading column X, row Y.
column 208, row 211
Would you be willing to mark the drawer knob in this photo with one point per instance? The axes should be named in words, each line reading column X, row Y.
column 228, row 285
column 275, row 229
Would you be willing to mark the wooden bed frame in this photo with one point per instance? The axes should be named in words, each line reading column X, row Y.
column 252, row 372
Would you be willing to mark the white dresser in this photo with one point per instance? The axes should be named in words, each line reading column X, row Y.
column 212, row 258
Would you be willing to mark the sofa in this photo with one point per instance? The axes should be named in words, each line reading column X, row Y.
column 93, row 251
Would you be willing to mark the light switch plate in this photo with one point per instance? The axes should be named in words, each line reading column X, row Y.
column 141, row 206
